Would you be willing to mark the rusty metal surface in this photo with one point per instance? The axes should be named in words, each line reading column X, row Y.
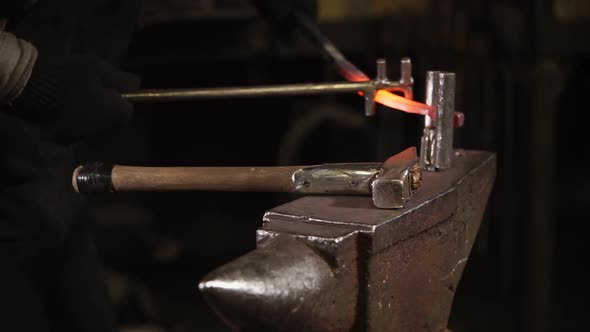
column 391, row 269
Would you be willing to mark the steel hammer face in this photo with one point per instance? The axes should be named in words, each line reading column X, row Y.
column 399, row 177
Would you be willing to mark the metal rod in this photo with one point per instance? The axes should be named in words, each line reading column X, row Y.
column 254, row 91
column 358, row 81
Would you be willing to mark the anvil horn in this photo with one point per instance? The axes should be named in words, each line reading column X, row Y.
column 269, row 286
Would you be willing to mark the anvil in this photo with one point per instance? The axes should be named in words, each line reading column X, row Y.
column 337, row 263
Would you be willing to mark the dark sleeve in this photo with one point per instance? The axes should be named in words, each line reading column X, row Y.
column 103, row 28
column 37, row 202
column 14, row 7
column 17, row 58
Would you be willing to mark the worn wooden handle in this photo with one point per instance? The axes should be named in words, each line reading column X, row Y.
column 101, row 178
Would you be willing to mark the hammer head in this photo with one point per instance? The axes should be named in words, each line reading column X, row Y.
column 398, row 178
column 390, row 183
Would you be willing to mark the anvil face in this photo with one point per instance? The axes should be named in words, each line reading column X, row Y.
column 383, row 269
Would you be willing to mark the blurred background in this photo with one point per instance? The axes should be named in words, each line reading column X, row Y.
column 523, row 75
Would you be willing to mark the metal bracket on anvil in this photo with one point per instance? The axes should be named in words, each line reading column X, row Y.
column 436, row 150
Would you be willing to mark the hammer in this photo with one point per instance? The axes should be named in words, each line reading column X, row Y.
column 390, row 183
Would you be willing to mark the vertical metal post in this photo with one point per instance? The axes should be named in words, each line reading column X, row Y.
column 406, row 77
column 381, row 70
column 436, row 151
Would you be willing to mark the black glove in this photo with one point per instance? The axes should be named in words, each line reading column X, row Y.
column 281, row 13
column 37, row 202
column 76, row 97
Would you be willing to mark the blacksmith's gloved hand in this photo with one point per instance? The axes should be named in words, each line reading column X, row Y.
column 37, row 202
column 76, row 97
column 281, row 13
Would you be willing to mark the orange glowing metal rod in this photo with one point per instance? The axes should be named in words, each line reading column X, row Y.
column 387, row 98
column 403, row 104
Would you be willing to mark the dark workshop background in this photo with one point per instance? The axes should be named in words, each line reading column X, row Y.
column 523, row 80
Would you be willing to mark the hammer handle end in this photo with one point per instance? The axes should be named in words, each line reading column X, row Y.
column 93, row 178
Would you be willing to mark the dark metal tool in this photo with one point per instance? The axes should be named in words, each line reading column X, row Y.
column 390, row 184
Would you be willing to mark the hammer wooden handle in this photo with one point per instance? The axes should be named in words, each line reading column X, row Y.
column 390, row 183
column 102, row 178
